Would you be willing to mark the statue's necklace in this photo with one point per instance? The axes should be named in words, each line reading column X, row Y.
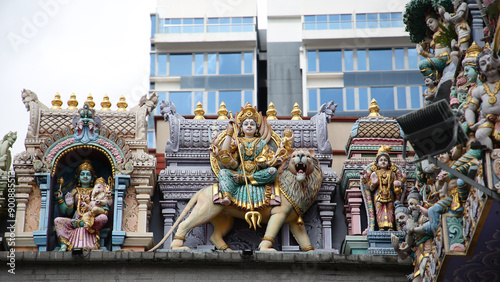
column 492, row 100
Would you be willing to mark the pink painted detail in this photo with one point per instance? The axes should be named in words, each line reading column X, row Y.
column 112, row 149
column 58, row 148
column 353, row 199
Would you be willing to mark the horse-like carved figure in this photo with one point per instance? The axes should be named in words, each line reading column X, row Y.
column 299, row 181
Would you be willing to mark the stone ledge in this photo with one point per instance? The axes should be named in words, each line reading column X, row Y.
column 210, row 257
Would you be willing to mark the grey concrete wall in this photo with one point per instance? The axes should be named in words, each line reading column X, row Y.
column 284, row 76
column 202, row 266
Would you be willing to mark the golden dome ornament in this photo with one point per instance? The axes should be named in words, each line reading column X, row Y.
column 57, row 102
column 122, row 104
column 374, row 109
column 296, row 112
column 106, row 104
column 90, row 101
column 271, row 112
column 222, row 112
column 199, row 112
column 72, row 102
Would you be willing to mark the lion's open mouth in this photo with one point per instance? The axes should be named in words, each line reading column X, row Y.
column 301, row 169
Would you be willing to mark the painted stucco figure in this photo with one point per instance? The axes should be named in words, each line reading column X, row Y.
column 71, row 229
column 458, row 19
column 86, row 125
column 383, row 182
column 5, row 145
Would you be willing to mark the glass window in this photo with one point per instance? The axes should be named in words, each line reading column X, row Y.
column 198, row 63
column 198, row 97
column 360, row 17
column 153, row 25
column 232, row 99
column 213, row 28
column 187, row 21
column 401, row 98
column 329, row 94
column 330, row 61
column 236, row 20
column 321, row 25
column 321, row 18
column 248, row 20
column 225, row 20
column 313, row 100
column 182, row 101
column 416, row 98
column 380, row 59
column 363, row 98
column 181, row 64
column 248, row 58
column 236, row 28
column 248, row 27
column 152, row 64
column 199, row 21
column 309, row 26
column 187, row 29
column 230, row 63
column 309, row 19
column 162, row 64
column 412, row 58
column 384, row 97
column 213, row 20
column 348, row 60
column 248, row 97
column 361, row 59
column 211, row 63
column 151, row 140
column 224, row 28
column 311, row 61
column 350, row 101
column 175, row 21
column 334, row 25
column 399, row 57
column 334, row 18
column 211, row 106
column 371, row 17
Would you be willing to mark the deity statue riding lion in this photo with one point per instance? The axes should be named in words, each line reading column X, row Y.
column 261, row 179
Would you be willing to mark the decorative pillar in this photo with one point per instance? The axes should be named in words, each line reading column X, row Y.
column 168, row 211
column 40, row 236
column 326, row 212
column 354, row 200
column 477, row 24
column 118, row 235
column 144, row 199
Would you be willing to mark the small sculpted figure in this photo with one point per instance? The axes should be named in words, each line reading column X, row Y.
column 459, row 21
column 5, row 145
column 100, row 201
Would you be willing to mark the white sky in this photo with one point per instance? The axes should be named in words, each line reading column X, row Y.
column 49, row 46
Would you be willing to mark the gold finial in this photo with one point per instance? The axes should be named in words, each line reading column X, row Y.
column 296, row 112
column 90, row 101
column 271, row 112
column 374, row 109
column 72, row 102
column 122, row 104
column 198, row 112
column 106, row 104
column 57, row 102
column 222, row 112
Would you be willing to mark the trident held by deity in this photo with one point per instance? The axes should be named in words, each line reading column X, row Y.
column 252, row 217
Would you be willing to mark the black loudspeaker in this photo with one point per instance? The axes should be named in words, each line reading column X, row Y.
column 432, row 130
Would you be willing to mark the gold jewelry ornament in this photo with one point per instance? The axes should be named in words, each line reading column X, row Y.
column 492, row 100
column 249, row 112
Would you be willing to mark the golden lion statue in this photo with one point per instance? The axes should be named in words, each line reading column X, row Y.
column 299, row 180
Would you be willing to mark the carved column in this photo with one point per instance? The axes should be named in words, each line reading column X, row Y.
column 40, row 235
column 477, row 24
column 168, row 211
column 326, row 212
column 118, row 235
column 144, row 200
column 353, row 200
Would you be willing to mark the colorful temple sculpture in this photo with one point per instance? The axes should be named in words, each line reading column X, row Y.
column 86, row 179
column 190, row 166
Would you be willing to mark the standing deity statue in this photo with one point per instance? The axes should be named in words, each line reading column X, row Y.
column 459, row 21
column 83, row 210
column 385, row 180
column 483, row 107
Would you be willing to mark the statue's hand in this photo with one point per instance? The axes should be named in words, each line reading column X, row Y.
column 397, row 183
column 374, row 178
column 419, row 48
column 395, row 241
column 69, row 199
column 230, row 126
column 58, row 194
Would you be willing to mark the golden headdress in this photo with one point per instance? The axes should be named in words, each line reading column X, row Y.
column 471, row 56
column 384, row 150
column 249, row 112
column 86, row 165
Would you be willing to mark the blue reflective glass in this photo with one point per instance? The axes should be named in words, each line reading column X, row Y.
column 230, row 63
column 361, row 59
column 247, row 28
column 175, row 21
column 225, row 20
column 162, row 64
column 321, row 26
column 401, row 98
column 174, row 29
column 396, row 16
column 371, row 16
column 313, row 100
column 334, row 25
column 198, row 29
column 363, row 98
column 330, row 61
column 153, row 25
column 165, row 21
column 321, row 18
column 360, row 24
column 345, row 18
column 213, row 28
column 151, row 122
column 181, row 64
column 151, row 140
column 360, row 17
column 211, row 63
column 412, row 58
column 198, row 97
column 236, row 20
column 182, row 101
column 152, row 64
column 310, row 26
column 211, row 103
column 225, row 28
column 311, row 61
column 213, row 20
column 380, row 59
column 396, row 23
column 187, row 29
column 385, row 24
column 232, row 99
column 348, row 60
column 309, row 19
column 199, row 21
column 350, row 101
column 248, row 59
column 384, row 16
column 328, row 94
column 399, row 57
column 187, row 21
column 416, row 98
column 345, row 25
column 248, row 20
column 384, row 97
column 198, row 63
column 248, row 97
column 372, row 24
column 334, row 18
column 236, row 28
